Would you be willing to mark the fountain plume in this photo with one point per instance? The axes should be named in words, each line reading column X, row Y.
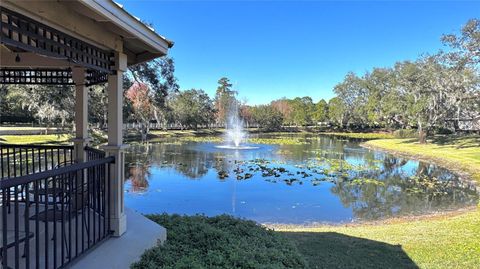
column 235, row 135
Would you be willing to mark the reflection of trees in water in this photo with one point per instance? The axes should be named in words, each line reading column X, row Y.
column 395, row 194
column 138, row 168
column 189, row 162
column 139, row 177
column 389, row 190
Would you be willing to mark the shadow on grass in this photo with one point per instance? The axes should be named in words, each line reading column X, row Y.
column 334, row 250
column 456, row 141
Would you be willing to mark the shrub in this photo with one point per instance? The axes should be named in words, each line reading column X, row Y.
column 219, row 242
column 444, row 131
column 405, row 133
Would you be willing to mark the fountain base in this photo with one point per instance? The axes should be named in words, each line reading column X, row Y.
column 240, row 147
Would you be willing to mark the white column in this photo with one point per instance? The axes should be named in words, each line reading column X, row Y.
column 81, row 114
column 115, row 145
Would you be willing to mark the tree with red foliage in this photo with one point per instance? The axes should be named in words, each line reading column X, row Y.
column 143, row 108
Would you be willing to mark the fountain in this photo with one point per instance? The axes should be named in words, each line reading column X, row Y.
column 235, row 136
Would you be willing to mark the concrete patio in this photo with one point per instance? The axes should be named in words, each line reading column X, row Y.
column 141, row 235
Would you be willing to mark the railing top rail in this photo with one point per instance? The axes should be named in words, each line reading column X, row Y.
column 36, row 146
column 15, row 181
column 87, row 148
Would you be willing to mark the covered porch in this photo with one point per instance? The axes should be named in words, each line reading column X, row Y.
column 59, row 203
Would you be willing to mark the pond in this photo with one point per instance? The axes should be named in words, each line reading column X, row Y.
column 313, row 179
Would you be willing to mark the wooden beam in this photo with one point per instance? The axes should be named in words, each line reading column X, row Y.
column 57, row 15
column 30, row 59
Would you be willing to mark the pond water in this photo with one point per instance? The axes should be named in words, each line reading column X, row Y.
column 318, row 179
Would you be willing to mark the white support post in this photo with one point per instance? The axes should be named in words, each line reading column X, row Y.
column 115, row 146
column 81, row 114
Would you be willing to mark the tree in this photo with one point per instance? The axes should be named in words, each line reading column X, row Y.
column 353, row 93
column 382, row 107
column 267, row 117
column 464, row 59
column 192, row 108
column 302, row 109
column 224, row 100
column 320, row 113
column 246, row 114
column 159, row 76
column 284, row 106
column 97, row 105
column 466, row 46
column 423, row 85
column 337, row 111
column 49, row 104
column 143, row 109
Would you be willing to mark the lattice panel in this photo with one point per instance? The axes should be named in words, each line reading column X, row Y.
column 39, row 77
column 48, row 76
column 95, row 77
column 23, row 32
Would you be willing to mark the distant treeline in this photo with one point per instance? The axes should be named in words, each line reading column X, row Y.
column 437, row 92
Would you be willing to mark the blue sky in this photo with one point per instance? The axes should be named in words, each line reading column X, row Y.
column 274, row 49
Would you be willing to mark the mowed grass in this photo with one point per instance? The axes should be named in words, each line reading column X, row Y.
column 23, row 128
column 361, row 135
column 53, row 139
column 433, row 242
column 459, row 153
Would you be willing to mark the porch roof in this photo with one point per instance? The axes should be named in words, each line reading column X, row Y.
column 102, row 23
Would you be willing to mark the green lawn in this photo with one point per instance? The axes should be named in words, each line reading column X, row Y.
column 435, row 242
column 361, row 135
column 35, row 139
column 24, row 128
column 459, row 153
column 443, row 241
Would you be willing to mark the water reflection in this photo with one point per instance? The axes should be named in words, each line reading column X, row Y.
column 324, row 180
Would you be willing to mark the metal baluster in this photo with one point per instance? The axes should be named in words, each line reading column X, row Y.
column 37, row 225
column 4, row 228
column 17, row 225
column 94, row 181
column 54, row 188
column 47, row 239
column 27, row 229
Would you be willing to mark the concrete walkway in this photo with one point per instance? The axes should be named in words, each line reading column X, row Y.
column 121, row 252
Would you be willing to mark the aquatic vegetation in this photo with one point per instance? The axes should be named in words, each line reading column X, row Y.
column 222, row 174
column 278, row 141
column 253, row 140
column 364, row 181
column 201, row 139
column 430, row 185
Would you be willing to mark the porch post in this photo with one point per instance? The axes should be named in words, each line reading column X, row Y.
column 81, row 114
column 115, row 145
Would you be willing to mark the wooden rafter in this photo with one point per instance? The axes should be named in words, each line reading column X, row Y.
column 25, row 33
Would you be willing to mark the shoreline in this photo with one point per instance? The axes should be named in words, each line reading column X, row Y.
column 464, row 174
column 440, row 215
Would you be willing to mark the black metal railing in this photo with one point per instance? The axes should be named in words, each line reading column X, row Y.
column 63, row 213
column 20, row 160
column 94, row 154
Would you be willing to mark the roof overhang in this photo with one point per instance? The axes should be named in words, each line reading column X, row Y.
column 139, row 39
column 102, row 23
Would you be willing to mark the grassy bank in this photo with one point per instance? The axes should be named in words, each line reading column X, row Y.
column 441, row 241
column 433, row 242
column 53, row 139
column 461, row 154
column 360, row 135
